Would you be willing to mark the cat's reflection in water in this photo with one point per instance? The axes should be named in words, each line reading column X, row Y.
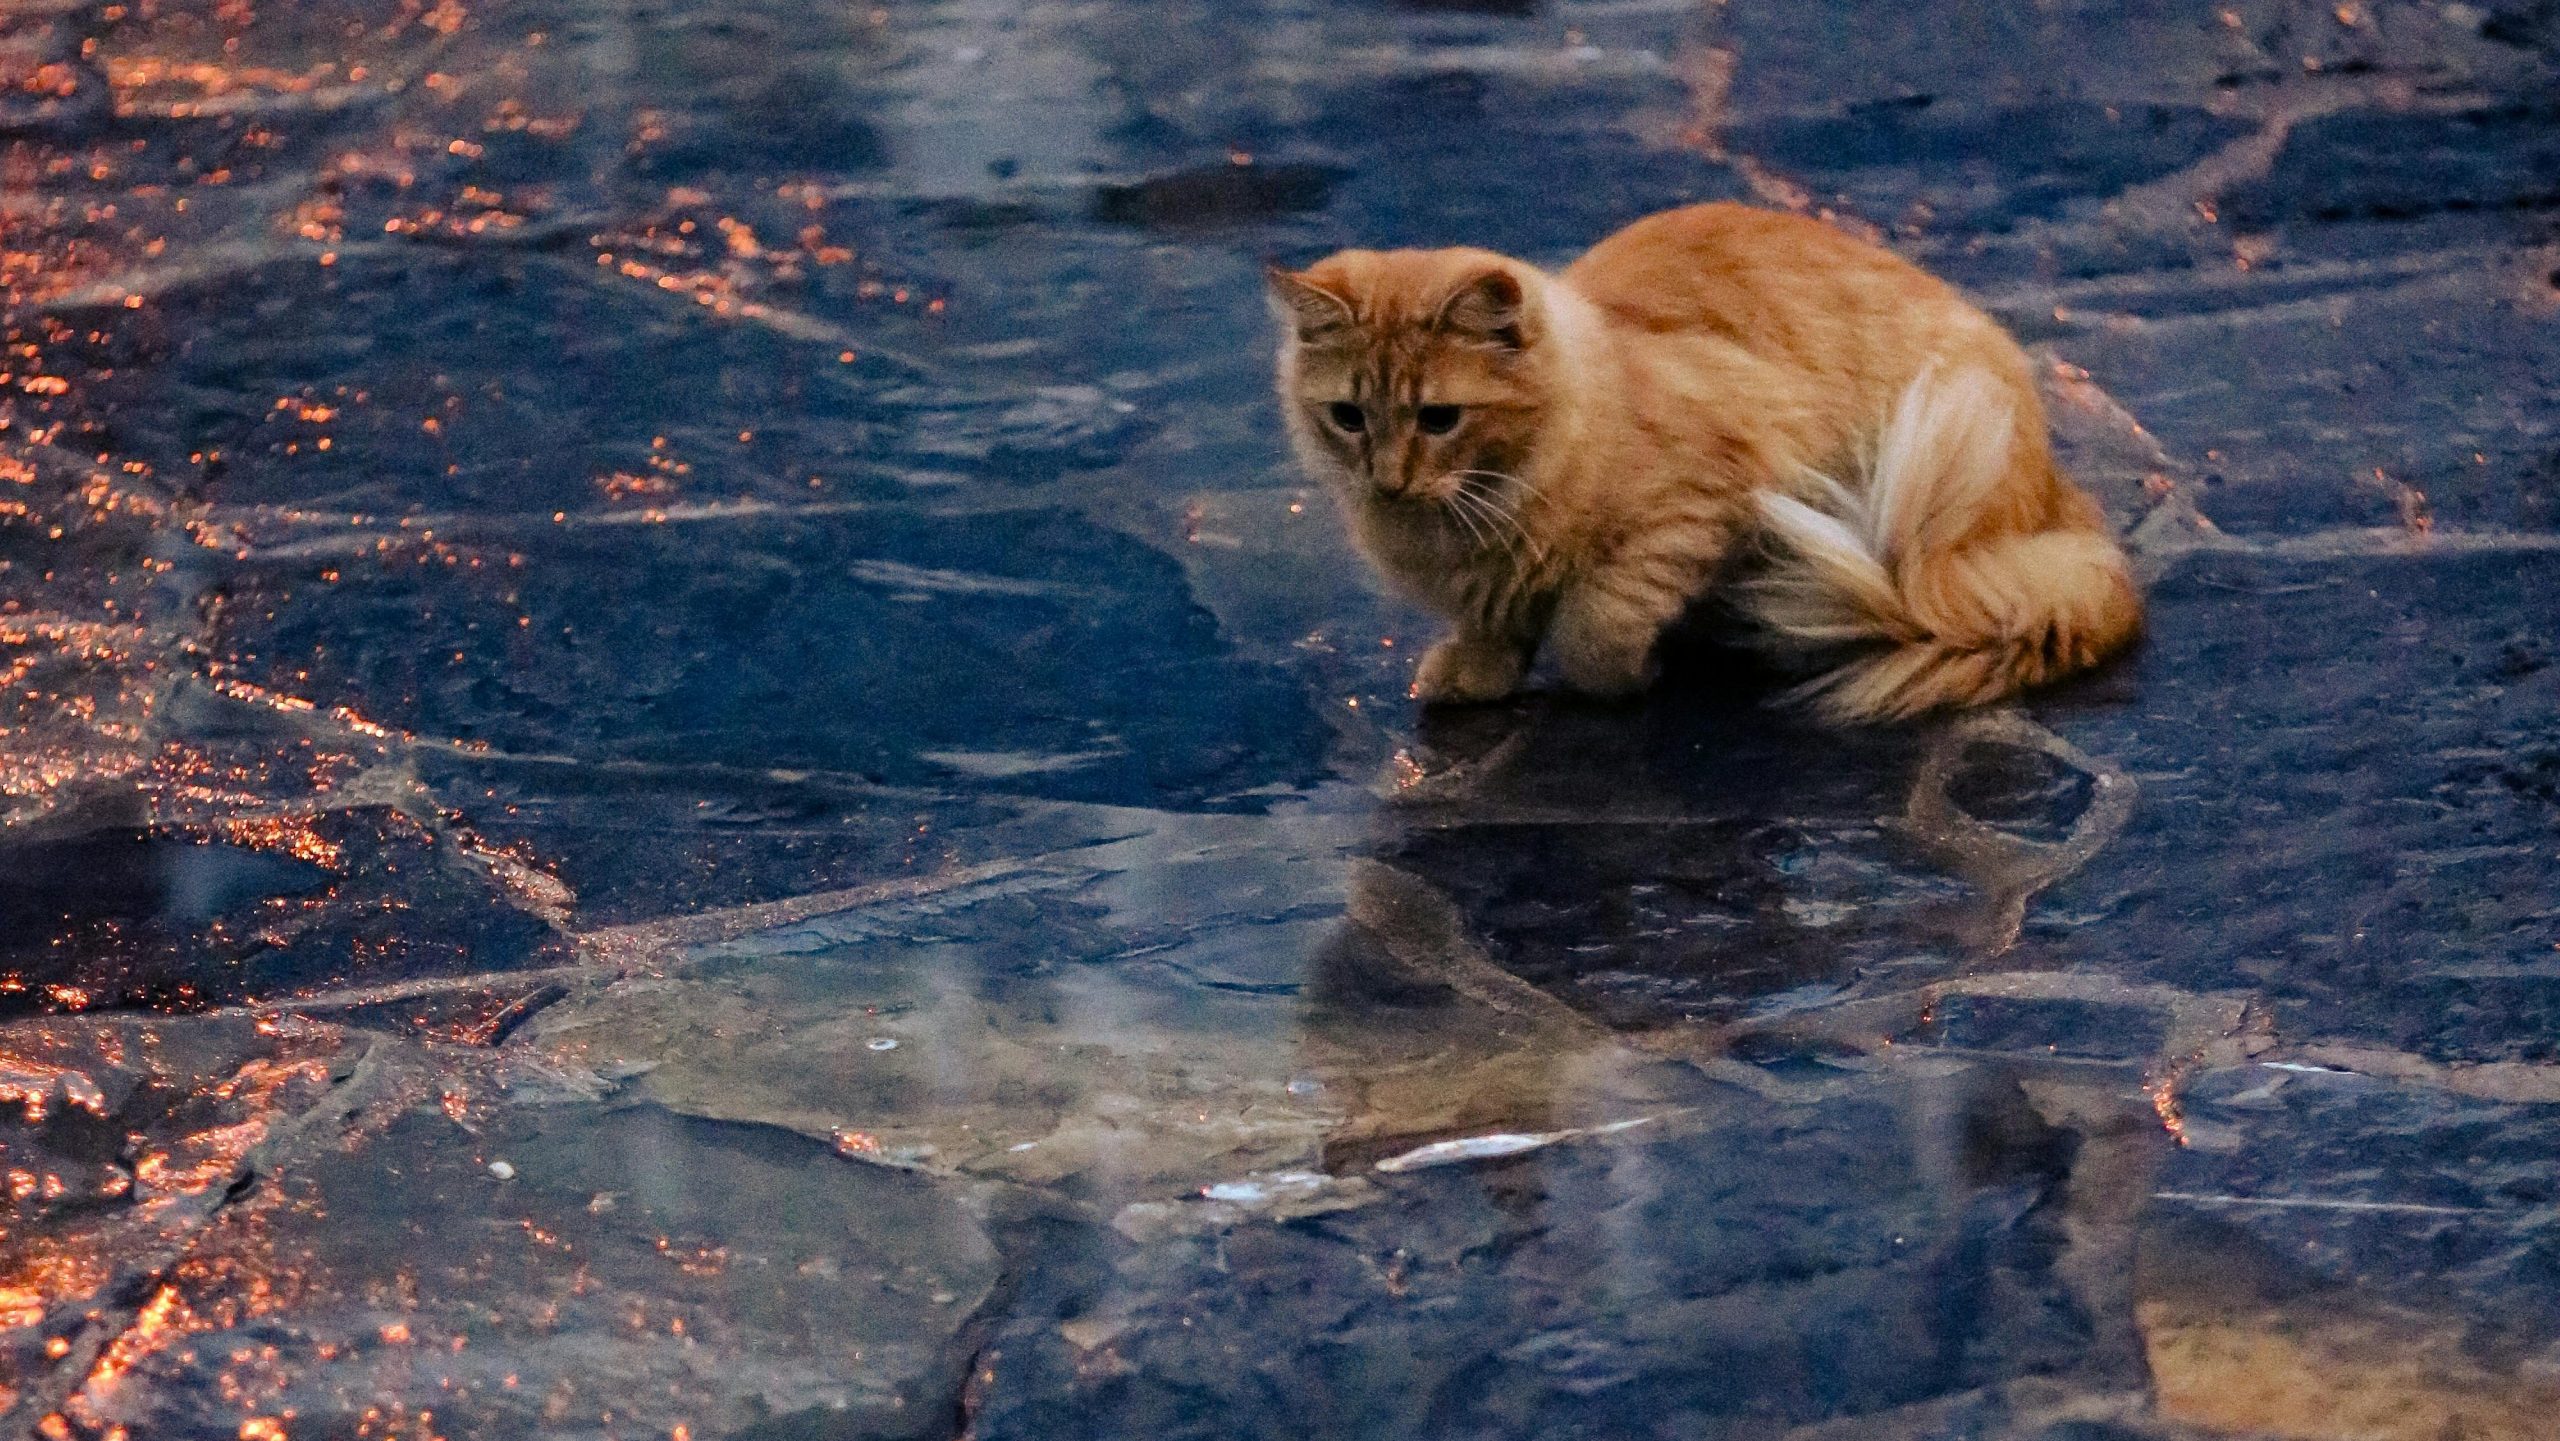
column 1670, row 863
column 1583, row 885
column 1560, row 896
column 1576, row 916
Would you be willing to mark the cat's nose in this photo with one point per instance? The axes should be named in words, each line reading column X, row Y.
column 1397, row 475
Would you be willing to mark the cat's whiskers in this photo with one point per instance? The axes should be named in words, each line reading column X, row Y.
column 1536, row 553
column 1464, row 518
column 1502, row 476
column 1507, row 529
column 1516, row 491
column 1468, row 511
column 1491, row 523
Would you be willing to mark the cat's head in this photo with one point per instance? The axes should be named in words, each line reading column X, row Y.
column 1415, row 380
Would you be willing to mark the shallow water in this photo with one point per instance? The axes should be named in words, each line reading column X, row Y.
column 680, row 762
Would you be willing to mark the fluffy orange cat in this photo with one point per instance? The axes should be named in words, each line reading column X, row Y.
column 1572, row 459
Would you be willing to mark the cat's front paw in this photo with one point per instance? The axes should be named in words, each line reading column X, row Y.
column 1612, row 675
column 1601, row 650
column 1458, row 672
column 1609, row 667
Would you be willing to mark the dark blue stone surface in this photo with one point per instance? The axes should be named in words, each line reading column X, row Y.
column 680, row 761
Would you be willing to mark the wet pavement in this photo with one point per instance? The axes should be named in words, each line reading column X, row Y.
column 679, row 761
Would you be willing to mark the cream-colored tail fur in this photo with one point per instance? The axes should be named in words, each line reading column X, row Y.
column 1952, row 616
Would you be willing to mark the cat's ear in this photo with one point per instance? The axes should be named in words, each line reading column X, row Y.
column 1488, row 309
column 1306, row 307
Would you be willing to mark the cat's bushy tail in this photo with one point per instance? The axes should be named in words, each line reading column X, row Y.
column 1939, row 606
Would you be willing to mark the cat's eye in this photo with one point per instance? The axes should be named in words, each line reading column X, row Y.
column 1346, row 416
column 1438, row 419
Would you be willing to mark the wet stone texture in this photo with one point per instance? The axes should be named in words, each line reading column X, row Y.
column 678, row 762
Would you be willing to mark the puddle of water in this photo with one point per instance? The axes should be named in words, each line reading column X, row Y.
column 678, row 761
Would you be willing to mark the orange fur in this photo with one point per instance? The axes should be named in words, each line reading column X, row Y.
column 1569, row 460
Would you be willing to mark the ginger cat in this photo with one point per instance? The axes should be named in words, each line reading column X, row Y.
column 1571, row 459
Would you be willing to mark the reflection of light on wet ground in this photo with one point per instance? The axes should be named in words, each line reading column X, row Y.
column 1183, row 1031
